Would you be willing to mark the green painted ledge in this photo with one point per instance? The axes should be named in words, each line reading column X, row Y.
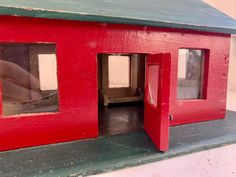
column 104, row 154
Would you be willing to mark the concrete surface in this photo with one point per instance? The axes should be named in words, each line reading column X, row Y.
column 219, row 162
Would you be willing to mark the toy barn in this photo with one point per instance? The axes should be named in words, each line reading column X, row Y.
column 72, row 70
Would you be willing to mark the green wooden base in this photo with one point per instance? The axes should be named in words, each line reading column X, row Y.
column 114, row 152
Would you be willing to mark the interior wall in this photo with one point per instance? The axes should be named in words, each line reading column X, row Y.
column 117, row 85
column 228, row 8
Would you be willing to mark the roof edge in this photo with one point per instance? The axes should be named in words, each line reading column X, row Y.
column 63, row 15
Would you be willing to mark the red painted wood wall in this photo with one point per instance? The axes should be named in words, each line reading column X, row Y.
column 78, row 44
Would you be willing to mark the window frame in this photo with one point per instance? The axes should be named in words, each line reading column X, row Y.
column 33, row 114
column 204, row 72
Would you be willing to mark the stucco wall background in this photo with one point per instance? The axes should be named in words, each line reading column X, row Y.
column 232, row 65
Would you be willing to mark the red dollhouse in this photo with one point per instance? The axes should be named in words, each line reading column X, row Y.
column 57, row 59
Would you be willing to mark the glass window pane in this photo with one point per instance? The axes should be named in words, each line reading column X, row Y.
column 118, row 71
column 190, row 74
column 153, row 84
column 29, row 78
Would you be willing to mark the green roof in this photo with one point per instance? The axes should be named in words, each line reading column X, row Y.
column 183, row 14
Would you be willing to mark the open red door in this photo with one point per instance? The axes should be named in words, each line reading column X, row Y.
column 157, row 93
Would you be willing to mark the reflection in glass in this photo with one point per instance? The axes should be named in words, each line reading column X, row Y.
column 24, row 88
column 190, row 74
column 153, row 84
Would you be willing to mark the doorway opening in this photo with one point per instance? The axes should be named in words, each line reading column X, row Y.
column 121, row 79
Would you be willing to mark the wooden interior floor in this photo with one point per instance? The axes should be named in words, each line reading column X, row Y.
column 120, row 118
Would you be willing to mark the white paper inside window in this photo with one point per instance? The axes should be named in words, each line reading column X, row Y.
column 47, row 71
column 118, row 71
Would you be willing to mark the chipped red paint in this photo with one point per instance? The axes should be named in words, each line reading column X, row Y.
column 78, row 44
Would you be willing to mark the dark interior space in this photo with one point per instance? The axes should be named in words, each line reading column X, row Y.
column 121, row 92
column 120, row 118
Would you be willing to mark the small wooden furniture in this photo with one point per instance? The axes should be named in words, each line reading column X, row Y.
column 135, row 90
